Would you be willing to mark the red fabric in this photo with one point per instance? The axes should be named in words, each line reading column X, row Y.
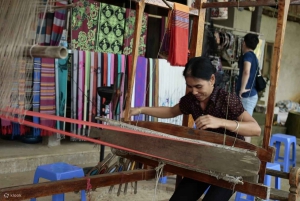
column 178, row 51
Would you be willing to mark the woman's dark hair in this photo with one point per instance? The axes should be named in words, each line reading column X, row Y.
column 251, row 40
column 199, row 67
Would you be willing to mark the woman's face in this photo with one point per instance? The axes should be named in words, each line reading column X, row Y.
column 200, row 88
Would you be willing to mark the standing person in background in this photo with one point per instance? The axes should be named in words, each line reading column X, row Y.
column 248, row 65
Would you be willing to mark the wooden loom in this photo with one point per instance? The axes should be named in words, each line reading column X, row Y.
column 265, row 154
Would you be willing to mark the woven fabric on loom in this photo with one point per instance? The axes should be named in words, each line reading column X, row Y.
column 171, row 87
column 58, row 24
column 93, row 87
column 47, row 98
column 84, row 24
column 178, row 51
column 129, row 29
column 110, row 29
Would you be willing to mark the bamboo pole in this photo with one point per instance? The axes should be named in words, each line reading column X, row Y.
column 140, row 7
column 57, row 52
column 283, row 8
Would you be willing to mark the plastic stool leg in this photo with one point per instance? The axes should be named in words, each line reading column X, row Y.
column 277, row 145
column 267, row 180
column 83, row 197
column 294, row 154
column 36, row 179
column 58, row 197
column 286, row 164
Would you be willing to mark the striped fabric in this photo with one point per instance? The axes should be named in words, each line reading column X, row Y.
column 58, row 24
column 36, row 93
column 47, row 98
column 178, row 52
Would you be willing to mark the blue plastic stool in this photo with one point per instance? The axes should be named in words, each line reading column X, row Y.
column 286, row 161
column 163, row 180
column 58, row 171
column 272, row 166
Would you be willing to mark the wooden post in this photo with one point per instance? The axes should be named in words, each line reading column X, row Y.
column 140, row 6
column 283, row 8
column 196, row 45
column 256, row 19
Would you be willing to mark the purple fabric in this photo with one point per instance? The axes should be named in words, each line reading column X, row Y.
column 140, row 85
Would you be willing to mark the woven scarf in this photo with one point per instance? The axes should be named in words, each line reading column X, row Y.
column 47, row 98
column 110, row 29
column 178, row 51
column 58, row 24
column 80, row 91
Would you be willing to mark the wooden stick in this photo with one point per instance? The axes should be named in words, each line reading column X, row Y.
column 140, row 7
column 283, row 9
column 71, row 185
column 57, row 52
column 257, row 190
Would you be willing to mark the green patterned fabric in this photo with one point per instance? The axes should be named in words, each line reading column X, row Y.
column 110, row 29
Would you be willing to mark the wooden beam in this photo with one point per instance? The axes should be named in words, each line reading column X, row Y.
column 257, row 190
column 71, row 185
column 283, row 9
column 185, row 132
column 140, row 7
column 256, row 19
column 247, row 3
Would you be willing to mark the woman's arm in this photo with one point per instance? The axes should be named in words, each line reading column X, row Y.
column 246, row 124
column 160, row 112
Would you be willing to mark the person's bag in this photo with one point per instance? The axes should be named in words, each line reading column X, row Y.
column 260, row 83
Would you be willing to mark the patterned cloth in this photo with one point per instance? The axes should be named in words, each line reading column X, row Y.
column 179, row 35
column 217, row 106
column 84, row 24
column 110, row 29
column 47, row 98
column 129, row 30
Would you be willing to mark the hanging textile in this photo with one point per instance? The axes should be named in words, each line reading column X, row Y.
column 84, row 24
column 171, row 88
column 178, row 51
column 74, row 81
column 80, row 90
column 165, row 34
column 99, row 82
column 47, row 98
column 36, row 91
column 259, row 51
column 129, row 29
column 60, row 17
column 93, row 87
column 86, row 90
column 110, row 29
column 49, row 23
column 41, row 30
column 140, row 85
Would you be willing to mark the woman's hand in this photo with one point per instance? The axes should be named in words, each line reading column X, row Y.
column 135, row 111
column 208, row 121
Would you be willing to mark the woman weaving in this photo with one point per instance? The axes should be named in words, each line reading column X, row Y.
column 213, row 109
